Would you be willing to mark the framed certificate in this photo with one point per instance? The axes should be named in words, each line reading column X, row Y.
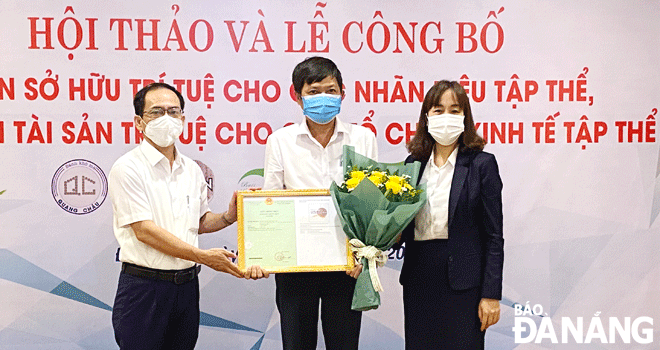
column 291, row 231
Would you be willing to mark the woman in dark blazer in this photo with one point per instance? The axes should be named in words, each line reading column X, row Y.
column 452, row 270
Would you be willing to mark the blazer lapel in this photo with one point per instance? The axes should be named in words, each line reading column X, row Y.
column 421, row 170
column 460, row 173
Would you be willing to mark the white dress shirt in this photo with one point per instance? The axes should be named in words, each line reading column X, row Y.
column 432, row 220
column 295, row 160
column 143, row 186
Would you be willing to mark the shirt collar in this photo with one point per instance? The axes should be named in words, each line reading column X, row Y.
column 451, row 160
column 154, row 156
column 340, row 127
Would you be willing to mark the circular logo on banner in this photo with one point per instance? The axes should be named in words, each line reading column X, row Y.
column 252, row 179
column 79, row 186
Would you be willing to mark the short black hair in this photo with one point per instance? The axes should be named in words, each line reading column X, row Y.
column 138, row 100
column 312, row 70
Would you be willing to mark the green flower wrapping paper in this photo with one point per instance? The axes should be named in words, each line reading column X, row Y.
column 375, row 203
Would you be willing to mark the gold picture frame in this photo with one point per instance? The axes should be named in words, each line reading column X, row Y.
column 291, row 231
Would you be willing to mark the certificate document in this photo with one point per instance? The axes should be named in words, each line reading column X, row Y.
column 291, row 231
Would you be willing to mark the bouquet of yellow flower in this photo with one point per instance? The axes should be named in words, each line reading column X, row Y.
column 395, row 187
column 373, row 213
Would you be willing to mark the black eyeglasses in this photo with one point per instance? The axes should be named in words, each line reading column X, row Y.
column 174, row 112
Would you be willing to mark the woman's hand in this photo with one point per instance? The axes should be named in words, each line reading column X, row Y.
column 489, row 312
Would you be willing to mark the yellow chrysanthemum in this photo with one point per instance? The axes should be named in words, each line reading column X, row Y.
column 393, row 185
column 377, row 177
column 357, row 174
column 397, row 179
column 352, row 183
column 408, row 187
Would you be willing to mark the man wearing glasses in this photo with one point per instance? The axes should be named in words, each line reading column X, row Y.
column 159, row 201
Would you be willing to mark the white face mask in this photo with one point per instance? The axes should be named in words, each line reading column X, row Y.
column 446, row 128
column 164, row 130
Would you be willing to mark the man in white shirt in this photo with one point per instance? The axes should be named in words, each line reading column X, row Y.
column 160, row 206
column 308, row 156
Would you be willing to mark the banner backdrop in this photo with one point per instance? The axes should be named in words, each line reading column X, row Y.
column 565, row 92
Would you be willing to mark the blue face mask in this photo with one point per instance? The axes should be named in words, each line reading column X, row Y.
column 321, row 108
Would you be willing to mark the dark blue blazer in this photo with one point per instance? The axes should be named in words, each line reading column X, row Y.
column 476, row 244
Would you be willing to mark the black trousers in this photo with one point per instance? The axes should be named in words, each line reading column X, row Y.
column 435, row 315
column 152, row 314
column 297, row 298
